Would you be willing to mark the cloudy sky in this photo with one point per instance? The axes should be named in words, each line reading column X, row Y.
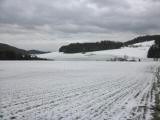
column 47, row 24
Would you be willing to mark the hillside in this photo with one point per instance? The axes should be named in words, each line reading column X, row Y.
column 8, row 52
column 104, row 45
column 142, row 39
column 5, row 47
column 134, row 52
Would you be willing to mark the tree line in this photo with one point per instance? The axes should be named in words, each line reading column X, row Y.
column 12, row 55
column 87, row 47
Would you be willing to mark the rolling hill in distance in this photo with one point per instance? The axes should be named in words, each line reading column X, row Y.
column 104, row 50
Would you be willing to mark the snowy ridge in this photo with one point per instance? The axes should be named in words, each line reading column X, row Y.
column 135, row 51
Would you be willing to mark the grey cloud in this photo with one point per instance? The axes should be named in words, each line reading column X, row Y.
column 60, row 19
column 111, row 3
column 58, row 12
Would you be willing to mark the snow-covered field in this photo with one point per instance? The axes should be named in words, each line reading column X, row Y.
column 49, row 90
column 134, row 51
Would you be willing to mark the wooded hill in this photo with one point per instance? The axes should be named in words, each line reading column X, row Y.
column 104, row 45
column 142, row 39
column 8, row 52
column 87, row 47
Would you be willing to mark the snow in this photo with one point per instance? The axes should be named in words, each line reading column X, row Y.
column 145, row 44
column 90, row 56
column 70, row 90
column 135, row 51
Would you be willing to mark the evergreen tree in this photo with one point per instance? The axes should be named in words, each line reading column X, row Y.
column 154, row 51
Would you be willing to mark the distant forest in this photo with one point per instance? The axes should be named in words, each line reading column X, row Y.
column 8, row 52
column 104, row 45
column 87, row 47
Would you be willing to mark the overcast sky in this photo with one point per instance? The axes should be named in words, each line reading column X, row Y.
column 47, row 24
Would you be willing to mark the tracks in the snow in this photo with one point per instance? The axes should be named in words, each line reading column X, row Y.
column 109, row 94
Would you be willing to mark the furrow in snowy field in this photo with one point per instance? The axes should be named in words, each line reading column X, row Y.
column 76, row 90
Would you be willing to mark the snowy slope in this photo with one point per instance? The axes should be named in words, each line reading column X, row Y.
column 76, row 90
column 138, row 50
